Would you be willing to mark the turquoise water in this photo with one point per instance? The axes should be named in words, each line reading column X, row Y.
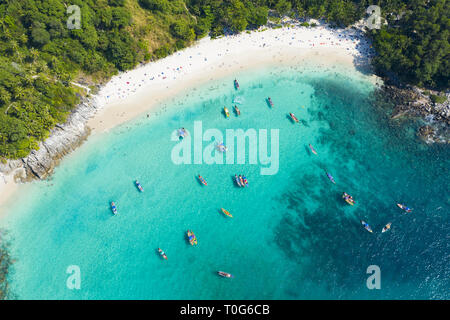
column 291, row 235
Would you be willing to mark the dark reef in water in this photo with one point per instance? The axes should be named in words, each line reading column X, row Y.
column 5, row 264
column 379, row 163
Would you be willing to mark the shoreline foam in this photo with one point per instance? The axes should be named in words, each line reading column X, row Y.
column 130, row 94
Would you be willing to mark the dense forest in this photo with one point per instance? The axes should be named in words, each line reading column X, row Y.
column 41, row 57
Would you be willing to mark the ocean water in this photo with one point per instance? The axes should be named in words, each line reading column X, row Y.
column 291, row 236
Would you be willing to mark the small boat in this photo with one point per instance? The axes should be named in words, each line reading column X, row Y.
column 227, row 213
column 366, row 226
column 348, row 198
column 293, row 117
column 191, row 237
column 113, row 207
column 241, row 179
column 270, row 101
column 312, row 149
column 227, row 113
column 245, row 181
column 203, row 181
column 162, row 253
column 221, row 147
column 403, row 207
column 225, row 274
column 386, row 227
column 182, row 133
column 238, row 112
column 238, row 181
column 138, row 185
column 330, row 177
column 236, row 84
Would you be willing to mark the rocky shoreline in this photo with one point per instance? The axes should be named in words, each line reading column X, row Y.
column 412, row 101
column 64, row 138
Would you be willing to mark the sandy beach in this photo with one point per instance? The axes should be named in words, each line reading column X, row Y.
column 135, row 92
column 132, row 93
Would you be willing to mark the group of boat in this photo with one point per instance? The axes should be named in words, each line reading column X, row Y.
column 227, row 112
column 348, row 198
column 241, row 180
column 192, row 238
column 368, row 228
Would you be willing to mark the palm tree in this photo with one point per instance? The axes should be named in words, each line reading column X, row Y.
column 12, row 105
column 15, row 47
column 19, row 92
column 34, row 54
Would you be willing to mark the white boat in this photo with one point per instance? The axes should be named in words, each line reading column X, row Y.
column 138, row 185
column 221, row 147
column 225, row 274
column 386, row 227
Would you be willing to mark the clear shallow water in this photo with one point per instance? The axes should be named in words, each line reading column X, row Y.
column 292, row 236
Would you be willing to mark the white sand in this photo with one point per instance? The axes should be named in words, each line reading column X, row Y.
column 132, row 93
column 7, row 188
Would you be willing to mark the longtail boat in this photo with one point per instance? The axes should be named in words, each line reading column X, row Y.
column 162, row 254
column 191, row 237
column 293, row 117
column 113, row 207
column 403, row 207
column 227, row 213
column 366, row 226
column 225, row 274
column 330, row 177
column 348, row 198
column 386, row 227
column 312, row 149
column 227, row 113
column 238, row 181
column 139, row 186
column 203, row 181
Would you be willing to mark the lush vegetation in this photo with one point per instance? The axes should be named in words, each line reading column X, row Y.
column 41, row 57
column 415, row 43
